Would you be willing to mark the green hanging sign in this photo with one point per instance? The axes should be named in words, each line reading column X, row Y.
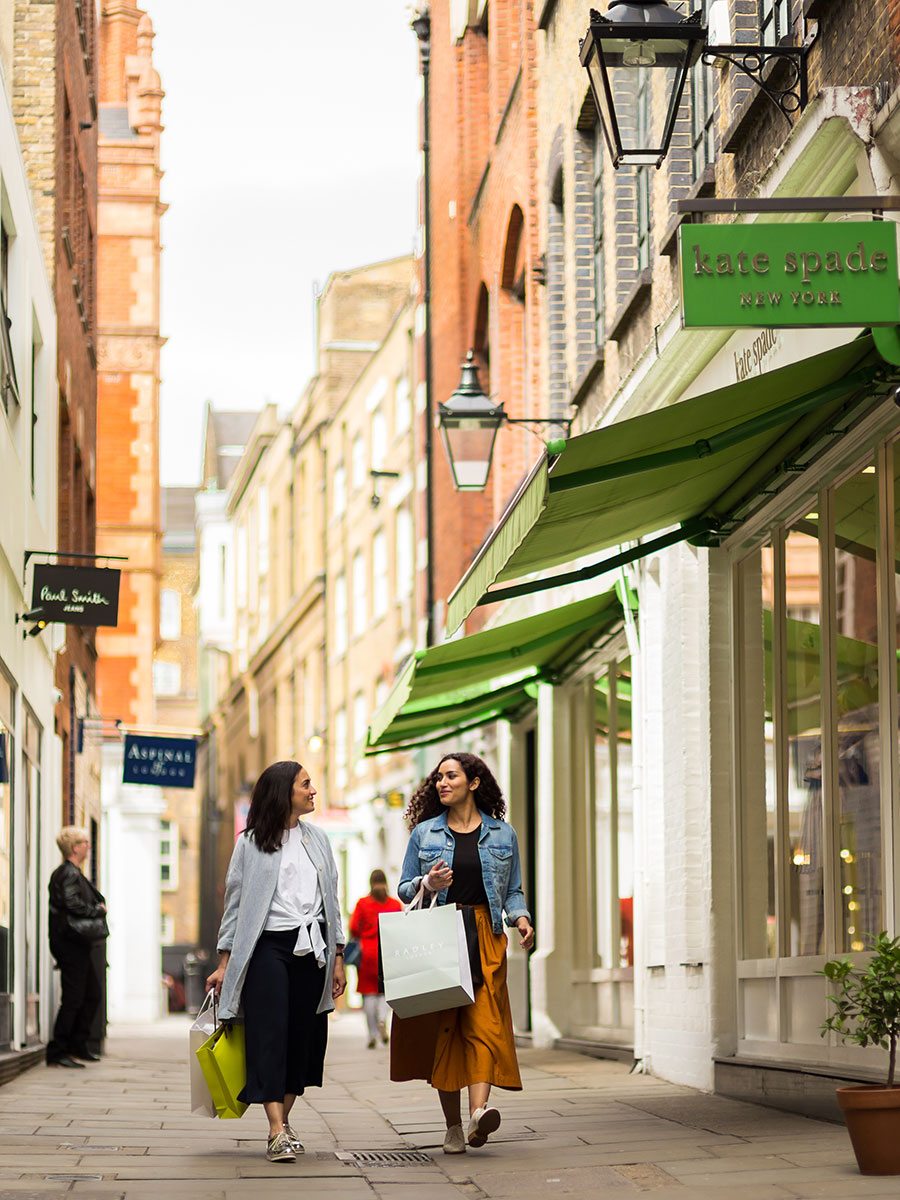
column 789, row 276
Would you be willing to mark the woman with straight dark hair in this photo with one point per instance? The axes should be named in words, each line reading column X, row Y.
column 463, row 849
column 281, row 948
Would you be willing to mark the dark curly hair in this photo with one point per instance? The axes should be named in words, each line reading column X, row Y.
column 270, row 805
column 426, row 802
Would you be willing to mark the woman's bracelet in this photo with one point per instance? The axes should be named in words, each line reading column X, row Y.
column 339, row 953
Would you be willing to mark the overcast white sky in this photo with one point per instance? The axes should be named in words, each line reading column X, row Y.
column 290, row 151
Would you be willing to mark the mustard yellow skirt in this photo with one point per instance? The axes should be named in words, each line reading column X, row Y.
column 472, row 1044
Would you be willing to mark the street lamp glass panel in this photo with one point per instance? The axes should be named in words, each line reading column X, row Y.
column 637, row 64
column 469, row 444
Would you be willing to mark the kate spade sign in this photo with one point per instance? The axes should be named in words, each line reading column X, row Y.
column 76, row 595
column 784, row 276
column 163, row 761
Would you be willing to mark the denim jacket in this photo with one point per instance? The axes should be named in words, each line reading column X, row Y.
column 498, row 849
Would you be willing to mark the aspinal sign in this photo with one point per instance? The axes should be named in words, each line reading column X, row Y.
column 789, row 275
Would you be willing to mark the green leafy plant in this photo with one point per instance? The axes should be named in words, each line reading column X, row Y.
column 867, row 1005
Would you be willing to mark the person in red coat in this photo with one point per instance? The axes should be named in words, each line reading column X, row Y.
column 364, row 927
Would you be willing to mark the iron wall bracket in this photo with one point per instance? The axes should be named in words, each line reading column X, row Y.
column 752, row 62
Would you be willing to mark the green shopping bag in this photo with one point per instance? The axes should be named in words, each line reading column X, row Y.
column 223, row 1061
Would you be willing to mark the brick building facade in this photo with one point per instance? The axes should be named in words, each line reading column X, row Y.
column 50, row 55
column 129, row 343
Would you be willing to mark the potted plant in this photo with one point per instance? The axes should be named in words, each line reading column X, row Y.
column 867, row 1012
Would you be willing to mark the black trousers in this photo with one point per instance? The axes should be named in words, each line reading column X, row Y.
column 286, row 1037
column 81, row 992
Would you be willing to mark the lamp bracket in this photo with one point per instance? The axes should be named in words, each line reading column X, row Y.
column 752, row 62
column 566, row 422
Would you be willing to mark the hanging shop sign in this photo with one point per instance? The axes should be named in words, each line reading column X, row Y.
column 162, row 761
column 76, row 595
column 789, row 276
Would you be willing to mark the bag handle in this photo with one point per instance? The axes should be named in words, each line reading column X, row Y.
column 417, row 900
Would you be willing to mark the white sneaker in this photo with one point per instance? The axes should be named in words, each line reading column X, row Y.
column 454, row 1142
column 482, row 1123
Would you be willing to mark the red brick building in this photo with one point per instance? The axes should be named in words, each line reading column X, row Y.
column 485, row 268
column 128, row 511
column 54, row 86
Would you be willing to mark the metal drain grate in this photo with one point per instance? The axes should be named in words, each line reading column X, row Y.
column 384, row 1158
column 74, row 1178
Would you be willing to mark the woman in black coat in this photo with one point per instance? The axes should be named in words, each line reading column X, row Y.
column 77, row 923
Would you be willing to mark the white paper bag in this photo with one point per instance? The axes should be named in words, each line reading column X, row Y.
column 203, row 1028
column 425, row 959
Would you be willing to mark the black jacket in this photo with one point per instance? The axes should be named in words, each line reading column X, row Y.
column 77, row 909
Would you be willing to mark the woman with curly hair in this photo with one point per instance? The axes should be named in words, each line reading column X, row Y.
column 461, row 848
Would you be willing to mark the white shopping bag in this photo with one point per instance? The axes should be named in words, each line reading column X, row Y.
column 425, row 959
column 202, row 1029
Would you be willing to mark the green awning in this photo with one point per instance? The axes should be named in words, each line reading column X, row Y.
column 473, row 680
column 690, row 464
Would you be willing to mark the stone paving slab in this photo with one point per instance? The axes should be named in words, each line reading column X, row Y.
column 581, row 1127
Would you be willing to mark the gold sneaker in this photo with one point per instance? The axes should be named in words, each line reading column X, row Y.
column 279, row 1149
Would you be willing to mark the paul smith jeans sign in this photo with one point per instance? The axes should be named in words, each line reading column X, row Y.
column 783, row 276
column 165, row 762
column 76, row 595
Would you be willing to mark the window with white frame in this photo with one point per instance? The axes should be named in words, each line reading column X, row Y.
column 166, row 678
column 380, row 587
column 168, row 855
column 360, row 594
column 340, row 747
column 169, row 614
column 339, row 491
column 613, row 827
column 402, row 405
column 262, row 536
column 358, row 463
column 340, row 613
column 703, row 85
column 403, row 552
column 360, row 730
column 599, row 252
column 775, row 21
column 379, row 439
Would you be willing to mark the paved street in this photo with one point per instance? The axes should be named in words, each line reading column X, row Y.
column 581, row 1127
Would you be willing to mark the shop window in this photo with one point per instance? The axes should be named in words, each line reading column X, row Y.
column 811, row 637
column 858, row 777
column 30, row 809
column 614, row 831
column 754, row 602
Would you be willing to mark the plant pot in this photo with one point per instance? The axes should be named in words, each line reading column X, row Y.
column 872, row 1114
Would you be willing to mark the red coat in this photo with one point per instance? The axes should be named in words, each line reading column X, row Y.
column 364, row 927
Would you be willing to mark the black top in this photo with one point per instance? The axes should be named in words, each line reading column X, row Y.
column 468, row 882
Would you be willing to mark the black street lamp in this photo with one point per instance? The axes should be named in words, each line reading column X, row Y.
column 469, row 422
column 639, row 41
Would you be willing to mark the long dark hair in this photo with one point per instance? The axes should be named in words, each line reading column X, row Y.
column 270, row 805
column 426, row 802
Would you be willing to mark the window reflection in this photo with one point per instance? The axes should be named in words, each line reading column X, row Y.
column 803, row 677
column 858, row 775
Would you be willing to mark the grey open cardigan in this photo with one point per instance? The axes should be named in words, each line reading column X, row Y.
column 249, row 889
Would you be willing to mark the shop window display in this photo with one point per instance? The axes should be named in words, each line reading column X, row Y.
column 613, row 817
column 810, row 641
